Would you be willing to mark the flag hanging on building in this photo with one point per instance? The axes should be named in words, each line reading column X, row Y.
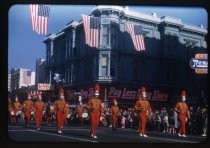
column 92, row 30
column 39, row 17
column 137, row 36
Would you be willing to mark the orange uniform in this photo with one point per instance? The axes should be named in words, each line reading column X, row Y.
column 79, row 112
column 115, row 111
column 95, row 108
column 16, row 107
column 39, row 108
column 28, row 106
column 60, row 106
column 142, row 107
column 182, row 109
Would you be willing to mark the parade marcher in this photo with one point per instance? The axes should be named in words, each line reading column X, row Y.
column 205, row 120
column 115, row 112
column 171, row 121
column 28, row 107
column 49, row 112
column 95, row 108
column 60, row 106
column 9, row 109
column 16, row 108
column 183, row 112
column 79, row 112
column 176, row 121
column 143, row 109
column 39, row 107
column 164, row 118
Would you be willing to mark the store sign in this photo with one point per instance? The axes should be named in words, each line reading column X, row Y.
column 125, row 93
column 121, row 93
column 44, row 86
column 200, row 63
column 87, row 93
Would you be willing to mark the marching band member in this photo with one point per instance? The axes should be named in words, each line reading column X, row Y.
column 143, row 109
column 9, row 109
column 16, row 107
column 49, row 112
column 183, row 112
column 60, row 106
column 28, row 106
column 95, row 108
column 39, row 108
column 115, row 111
column 79, row 111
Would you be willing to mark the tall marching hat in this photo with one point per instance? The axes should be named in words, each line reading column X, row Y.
column 143, row 89
column 39, row 93
column 183, row 94
column 29, row 95
column 114, row 101
column 16, row 97
column 97, row 88
column 61, row 91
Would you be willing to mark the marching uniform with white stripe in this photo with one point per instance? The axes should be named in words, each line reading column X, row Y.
column 60, row 106
column 28, row 107
column 95, row 108
column 183, row 112
column 39, row 108
column 16, row 107
column 143, row 109
column 115, row 111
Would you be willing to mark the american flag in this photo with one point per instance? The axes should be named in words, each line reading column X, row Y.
column 39, row 18
column 92, row 30
column 137, row 36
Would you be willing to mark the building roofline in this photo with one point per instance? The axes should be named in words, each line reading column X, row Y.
column 152, row 17
column 49, row 37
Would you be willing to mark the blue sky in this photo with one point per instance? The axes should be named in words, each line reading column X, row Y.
column 25, row 46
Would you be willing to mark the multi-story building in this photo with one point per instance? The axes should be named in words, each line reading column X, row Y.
column 121, row 70
column 9, row 81
column 40, row 71
column 22, row 81
column 22, row 78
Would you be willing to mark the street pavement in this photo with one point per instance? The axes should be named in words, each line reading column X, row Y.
column 74, row 133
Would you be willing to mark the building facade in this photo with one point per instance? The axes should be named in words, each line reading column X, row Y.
column 22, row 78
column 121, row 70
column 9, row 81
column 22, row 82
column 40, row 71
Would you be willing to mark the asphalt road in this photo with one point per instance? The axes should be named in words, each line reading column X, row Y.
column 81, row 134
